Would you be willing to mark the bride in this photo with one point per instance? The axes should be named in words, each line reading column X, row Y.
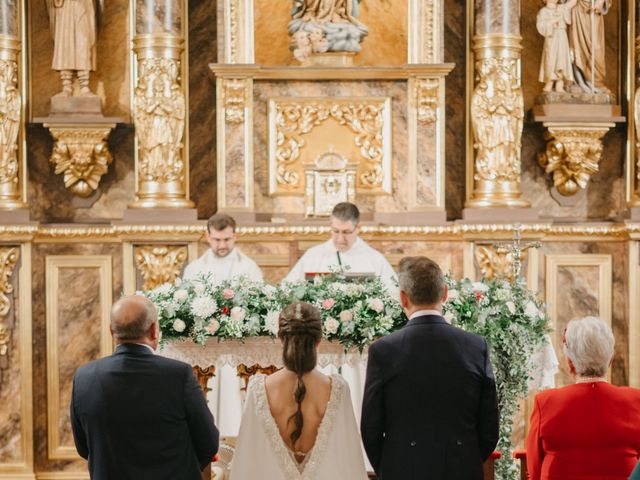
column 298, row 424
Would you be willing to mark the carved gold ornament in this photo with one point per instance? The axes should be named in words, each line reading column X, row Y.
column 8, row 261
column 245, row 372
column 235, row 99
column 427, row 100
column 495, row 263
column 368, row 120
column 573, row 153
column 203, row 375
column 9, row 122
column 160, row 120
column 159, row 264
column 82, row 155
column 497, row 112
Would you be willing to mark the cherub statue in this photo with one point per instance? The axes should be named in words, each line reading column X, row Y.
column 555, row 66
column 301, row 46
column 319, row 43
column 73, row 27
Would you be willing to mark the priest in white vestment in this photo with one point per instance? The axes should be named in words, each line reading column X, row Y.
column 224, row 261
column 345, row 251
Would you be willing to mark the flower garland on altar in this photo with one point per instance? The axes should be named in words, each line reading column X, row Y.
column 353, row 314
column 515, row 324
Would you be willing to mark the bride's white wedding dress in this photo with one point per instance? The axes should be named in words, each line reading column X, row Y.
column 262, row 454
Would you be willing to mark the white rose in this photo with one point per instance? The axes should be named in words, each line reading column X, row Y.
column 271, row 322
column 179, row 325
column 238, row 314
column 180, row 295
column 530, row 310
column 199, row 287
column 449, row 317
column 376, row 304
column 269, row 290
column 479, row 287
column 511, row 307
column 453, row 295
column 331, row 325
column 212, row 327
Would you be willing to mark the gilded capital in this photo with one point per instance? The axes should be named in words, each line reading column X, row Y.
column 495, row 263
column 159, row 264
column 426, row 98
column 235, row 99
column 81, row 154
column 573, row 154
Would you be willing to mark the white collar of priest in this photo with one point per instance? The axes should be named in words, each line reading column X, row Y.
column 357, row 245
column 422, row 313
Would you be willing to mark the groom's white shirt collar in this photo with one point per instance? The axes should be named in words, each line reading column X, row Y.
column 422, row 313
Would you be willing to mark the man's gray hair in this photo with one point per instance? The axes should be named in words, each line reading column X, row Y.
column 132, row 317
column 589, row 344
column 422, row 280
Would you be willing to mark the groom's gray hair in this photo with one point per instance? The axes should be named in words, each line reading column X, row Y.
column 132, row 317
column 422, row 280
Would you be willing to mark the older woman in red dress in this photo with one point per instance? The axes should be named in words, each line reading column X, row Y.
column 589, row 430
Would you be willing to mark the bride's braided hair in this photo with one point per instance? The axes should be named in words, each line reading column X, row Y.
column 300, row 329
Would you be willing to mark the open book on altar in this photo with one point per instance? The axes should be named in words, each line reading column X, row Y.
column 348, row 276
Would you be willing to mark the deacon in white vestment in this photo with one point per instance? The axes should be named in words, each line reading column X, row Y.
column 346, row 251
column 224, row 261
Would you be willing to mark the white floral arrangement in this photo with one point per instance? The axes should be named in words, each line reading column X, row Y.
column 515, row 324
column 353, row 314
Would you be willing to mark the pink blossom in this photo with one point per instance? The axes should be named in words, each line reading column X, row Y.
column 346, row 316
column 328, row 303
column 228, row 294
column 212, row 327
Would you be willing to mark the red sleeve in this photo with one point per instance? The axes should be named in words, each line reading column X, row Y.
column 535, row 453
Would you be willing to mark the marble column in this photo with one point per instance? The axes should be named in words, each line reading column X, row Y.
column 497, row 106
column 160, row 105
column 12, row 181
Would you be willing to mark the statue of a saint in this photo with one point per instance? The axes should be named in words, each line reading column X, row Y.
column 160, row 116
column 332, row 25
column 555, row 67
column 73, row 27
column 586, row 35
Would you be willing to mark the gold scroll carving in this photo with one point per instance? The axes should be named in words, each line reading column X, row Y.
column 10, row 105
column 426, row 95
column 367, row 119
column 573, row 154
column 8, row 261
column 159, row 264
column 495, row 263
column 245, row 372
column 235, row 99
column 82, row 155
column 203, row 375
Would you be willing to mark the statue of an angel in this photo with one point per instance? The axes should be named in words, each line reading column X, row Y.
column 74, row 30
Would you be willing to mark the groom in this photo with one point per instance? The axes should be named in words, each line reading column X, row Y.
column 429, row 408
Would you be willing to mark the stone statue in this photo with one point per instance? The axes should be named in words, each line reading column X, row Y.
column 331, row 24
column 73, row 27
column 9, row 121
column 555, row 67
column 586, row 35
column 160, row 116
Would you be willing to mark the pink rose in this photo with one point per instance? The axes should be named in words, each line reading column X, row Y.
column 228, row 294
column 212, row 327
column 346, row 316
column 328, row 303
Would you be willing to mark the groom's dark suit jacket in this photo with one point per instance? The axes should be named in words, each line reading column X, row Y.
column 140, row 416
column 429, row 409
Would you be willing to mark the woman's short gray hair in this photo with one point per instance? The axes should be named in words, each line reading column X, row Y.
column 588, row 342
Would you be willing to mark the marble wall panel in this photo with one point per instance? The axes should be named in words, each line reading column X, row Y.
column 386, row 43
column 578, row 296
column 110, row 81
column 158, row 16
column 263, row 91
column 202, row 106
column 455, row 143
column 78, row 341
column 427, row 157
column 235, row 171
column 50, row 201
column 11, row 438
